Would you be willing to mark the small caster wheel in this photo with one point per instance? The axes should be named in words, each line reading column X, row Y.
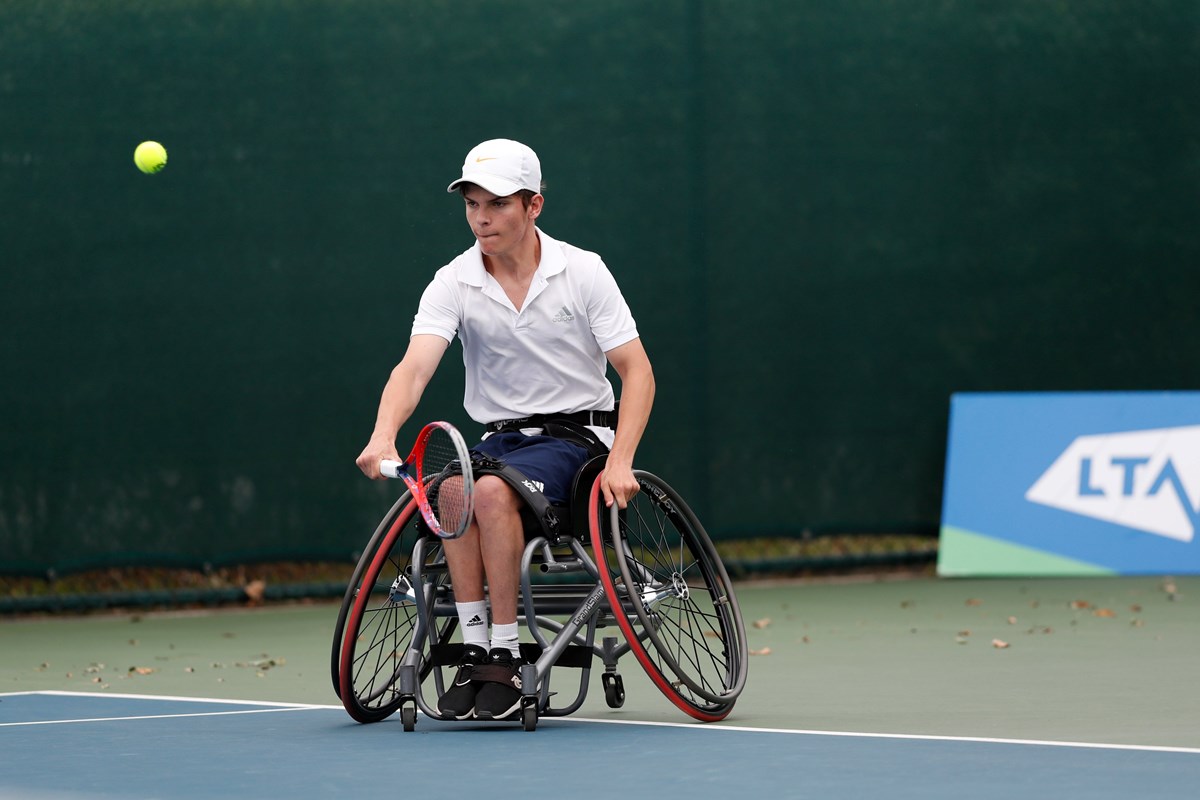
column 614, row 689
column 529, row 717
column 408, row 716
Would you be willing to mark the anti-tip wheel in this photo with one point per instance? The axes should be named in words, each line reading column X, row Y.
column 529, row 717
column 614, row 689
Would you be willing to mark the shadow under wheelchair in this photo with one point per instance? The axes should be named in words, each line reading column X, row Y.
column 648, row 571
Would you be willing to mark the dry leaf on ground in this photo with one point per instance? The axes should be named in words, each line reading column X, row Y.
column 255, row 591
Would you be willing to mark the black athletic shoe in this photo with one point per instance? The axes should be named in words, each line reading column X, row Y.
column 499, row 682
column 458, row 701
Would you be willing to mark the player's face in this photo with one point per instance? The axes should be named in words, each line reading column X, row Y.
column 500, row 224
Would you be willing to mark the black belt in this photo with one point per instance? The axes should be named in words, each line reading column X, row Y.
column 596, row 419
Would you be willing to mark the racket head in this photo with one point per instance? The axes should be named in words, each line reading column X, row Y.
column 443, row 467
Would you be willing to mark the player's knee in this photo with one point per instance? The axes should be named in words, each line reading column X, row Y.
column 494, row 498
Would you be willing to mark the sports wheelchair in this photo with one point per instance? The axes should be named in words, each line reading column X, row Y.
column 652, row 572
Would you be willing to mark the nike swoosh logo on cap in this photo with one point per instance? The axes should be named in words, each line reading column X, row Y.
column 488, row 158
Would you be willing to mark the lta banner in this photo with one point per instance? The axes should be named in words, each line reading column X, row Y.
column 1072, row 484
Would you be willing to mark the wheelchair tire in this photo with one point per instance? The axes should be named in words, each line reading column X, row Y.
column 335, row 652
column 671, row 597
column 376, row 623
column 408, row 716
column 529, row 717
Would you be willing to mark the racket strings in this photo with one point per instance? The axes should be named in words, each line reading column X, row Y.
column 449, row 494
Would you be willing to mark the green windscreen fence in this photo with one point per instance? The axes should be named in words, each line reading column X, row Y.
column 827, row 216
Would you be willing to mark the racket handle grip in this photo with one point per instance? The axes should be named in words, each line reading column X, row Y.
column 390, row 469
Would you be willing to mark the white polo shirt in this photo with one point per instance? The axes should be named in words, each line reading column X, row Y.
column 546, row 358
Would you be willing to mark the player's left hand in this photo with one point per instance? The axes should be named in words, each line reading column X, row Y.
column 618, row 484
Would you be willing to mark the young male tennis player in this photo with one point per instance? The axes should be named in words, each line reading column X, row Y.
column 538, row 320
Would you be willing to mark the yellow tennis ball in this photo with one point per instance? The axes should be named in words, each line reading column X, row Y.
column 150, row 157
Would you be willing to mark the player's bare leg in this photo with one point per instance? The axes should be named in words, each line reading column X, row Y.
column 501, row 542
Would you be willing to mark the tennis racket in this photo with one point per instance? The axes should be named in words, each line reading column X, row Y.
column 439, row 454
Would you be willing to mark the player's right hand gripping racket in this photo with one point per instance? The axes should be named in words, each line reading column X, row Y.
column 440, row 453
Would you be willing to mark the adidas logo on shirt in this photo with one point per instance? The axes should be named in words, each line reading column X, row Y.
column 564, row 315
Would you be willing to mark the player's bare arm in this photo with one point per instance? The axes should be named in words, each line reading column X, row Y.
column 400, row 397
column 637, row 397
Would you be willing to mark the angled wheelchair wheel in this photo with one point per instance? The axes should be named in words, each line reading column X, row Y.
column 364, row 561
column 378, row 619
column 671, row 597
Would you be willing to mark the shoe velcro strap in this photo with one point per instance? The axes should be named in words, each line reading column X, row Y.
column 496, row 673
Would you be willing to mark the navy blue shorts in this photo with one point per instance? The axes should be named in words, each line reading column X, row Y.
column 549, row 461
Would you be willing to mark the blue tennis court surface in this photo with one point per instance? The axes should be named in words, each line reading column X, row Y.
column 68, row 745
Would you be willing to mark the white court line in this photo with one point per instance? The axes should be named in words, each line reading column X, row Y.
column 259, row 707
column 150, row 716
column 171, row 698
column 916, row 736
column 693, row 726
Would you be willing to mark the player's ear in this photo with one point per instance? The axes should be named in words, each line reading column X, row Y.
column 535, row 206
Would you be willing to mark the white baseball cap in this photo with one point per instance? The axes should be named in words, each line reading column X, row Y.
column 502, row 167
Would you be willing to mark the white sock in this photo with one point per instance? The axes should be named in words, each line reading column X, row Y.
column 506, row 636
column 472, row 618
